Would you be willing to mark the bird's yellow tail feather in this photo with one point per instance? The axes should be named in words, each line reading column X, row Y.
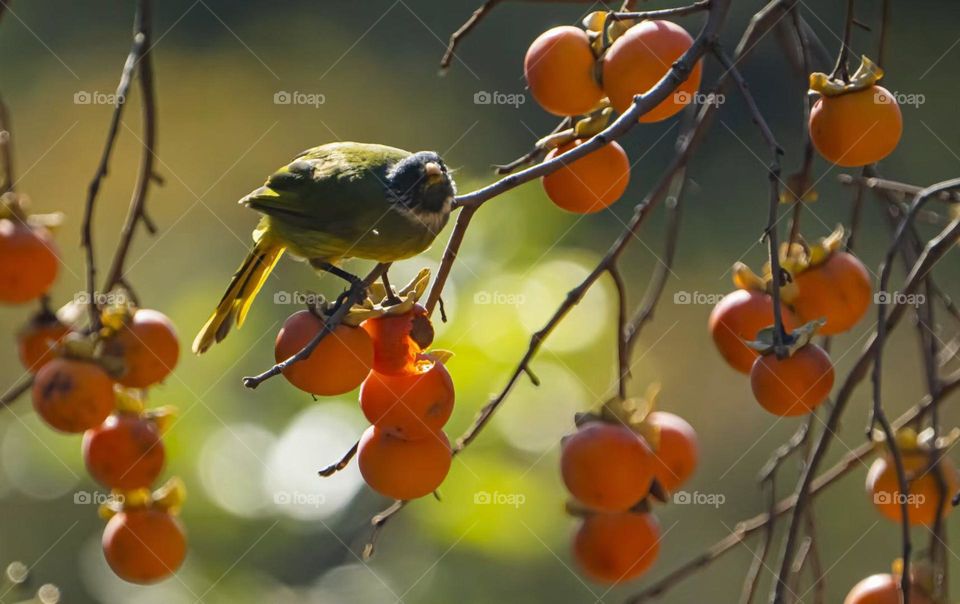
column 243, row 288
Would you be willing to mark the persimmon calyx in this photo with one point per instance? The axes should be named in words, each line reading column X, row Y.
column 594, row 123
column 797, row 188
column 798, row 257
column 380, row 303
column 745, row 278
column 632, row 412
column 868, row 74
column 921, row 575
column 795, row 340
column 598, row 22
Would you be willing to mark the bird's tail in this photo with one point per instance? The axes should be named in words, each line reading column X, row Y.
column 243, row 288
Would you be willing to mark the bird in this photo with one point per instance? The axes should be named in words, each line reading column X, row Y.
column 333, row 202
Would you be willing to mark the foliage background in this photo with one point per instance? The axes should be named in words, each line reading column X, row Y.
column 244, row 454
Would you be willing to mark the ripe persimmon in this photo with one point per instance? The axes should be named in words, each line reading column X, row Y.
column 398, row 339
column 883, row 589
column 36, row 341
column 736, row 320
column 403, row 469
column 676, row 455
column 856, row 128
column 591, row 183
column 640, row 58
column 30, row 263
column 125, row 452
column 923, row 492
column 337, row 365
column 607, row 467
column 838, row 290
column 73, row 395
column 148, row 346
column 144, row 545
column 615, row 548
column 412, row 405
column 794, row 385
column 560, row 71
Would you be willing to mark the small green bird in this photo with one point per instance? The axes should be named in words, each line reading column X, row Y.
column 336, row 201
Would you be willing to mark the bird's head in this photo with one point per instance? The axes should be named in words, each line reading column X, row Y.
column 422, row 184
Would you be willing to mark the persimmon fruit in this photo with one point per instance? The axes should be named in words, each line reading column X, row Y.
column 398, row 339
column 883, row 589
column 618, row 547
column 36, row 341
column 144, row 545
column 73, row 395
column 838, row 290
column 640, row 58
column 856, row 128
column 560, row 71
column 736, row 320
column 794, row 385
column 607, row 467
column 30, row 261
column 403, row 469
column 338, row 364
column 590, row 183
column 923, row 492
column 148, row 346
column 677, row 453
column 125, row 452
column 412, row 405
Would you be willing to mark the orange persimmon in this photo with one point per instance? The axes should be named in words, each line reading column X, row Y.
column 30, row 261
column 676, row 455
column 794, row 385
column 591, row 183
column 606, row 466
column 398, row 339
column 737, row 318
column 883, row 589
column 144, row 545
column 403, row 469
column 410, row 406
column 615, row 548
column 856, row 128
column 560, row 71
column 923, row 492
column 73, row 395
column 36, row 341
column 838, row 290
column 125, row 452
column 148, row 346
column 338, row 364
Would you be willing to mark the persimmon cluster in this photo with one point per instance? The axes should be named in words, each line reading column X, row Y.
column 616, row 462
column 594, row 71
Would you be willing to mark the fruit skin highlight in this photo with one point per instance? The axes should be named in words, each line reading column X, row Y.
column 590, row 183
column 559, row 68
column 856, row 128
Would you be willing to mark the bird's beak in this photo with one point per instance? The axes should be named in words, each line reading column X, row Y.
column 434, row 173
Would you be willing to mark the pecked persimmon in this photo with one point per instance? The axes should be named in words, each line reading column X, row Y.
column 144, row 545
column 125, row 452
column 737, row 318
column 337, row 365
column 923, row 492
column 410, row 406
column 640, row 58
column 676, row 455
column 856, row 128
column 403, row 469
column 560, row 71
column 607, row 467
column 615, row 548
column 398, row 339
column 795, row 385
column 883, row 589
column 72, row 395
column 148, row 346
column 30, row 261
column 36, row 341
column 591, row 183
column 838, row 290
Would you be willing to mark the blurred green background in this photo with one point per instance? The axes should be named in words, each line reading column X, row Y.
column 262, row 526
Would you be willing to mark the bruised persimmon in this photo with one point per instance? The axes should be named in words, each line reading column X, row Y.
column 398, row 339
column 837, row 290
column 125, row 452
column 607, row 467
column 412, row 405
column 676, row 455
column 923, row 491
column 36, row 341
column 615, row 548
column 883, row 589
column 144, row 545
column 736, row 320
column 794, row 385
column 640, row 58
column 29, row 262
column 403, row 469
column 148, row 346
column 338, row 364
column 73, row 395
column 591, row 183
column 856, row 128
column 559, row 68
